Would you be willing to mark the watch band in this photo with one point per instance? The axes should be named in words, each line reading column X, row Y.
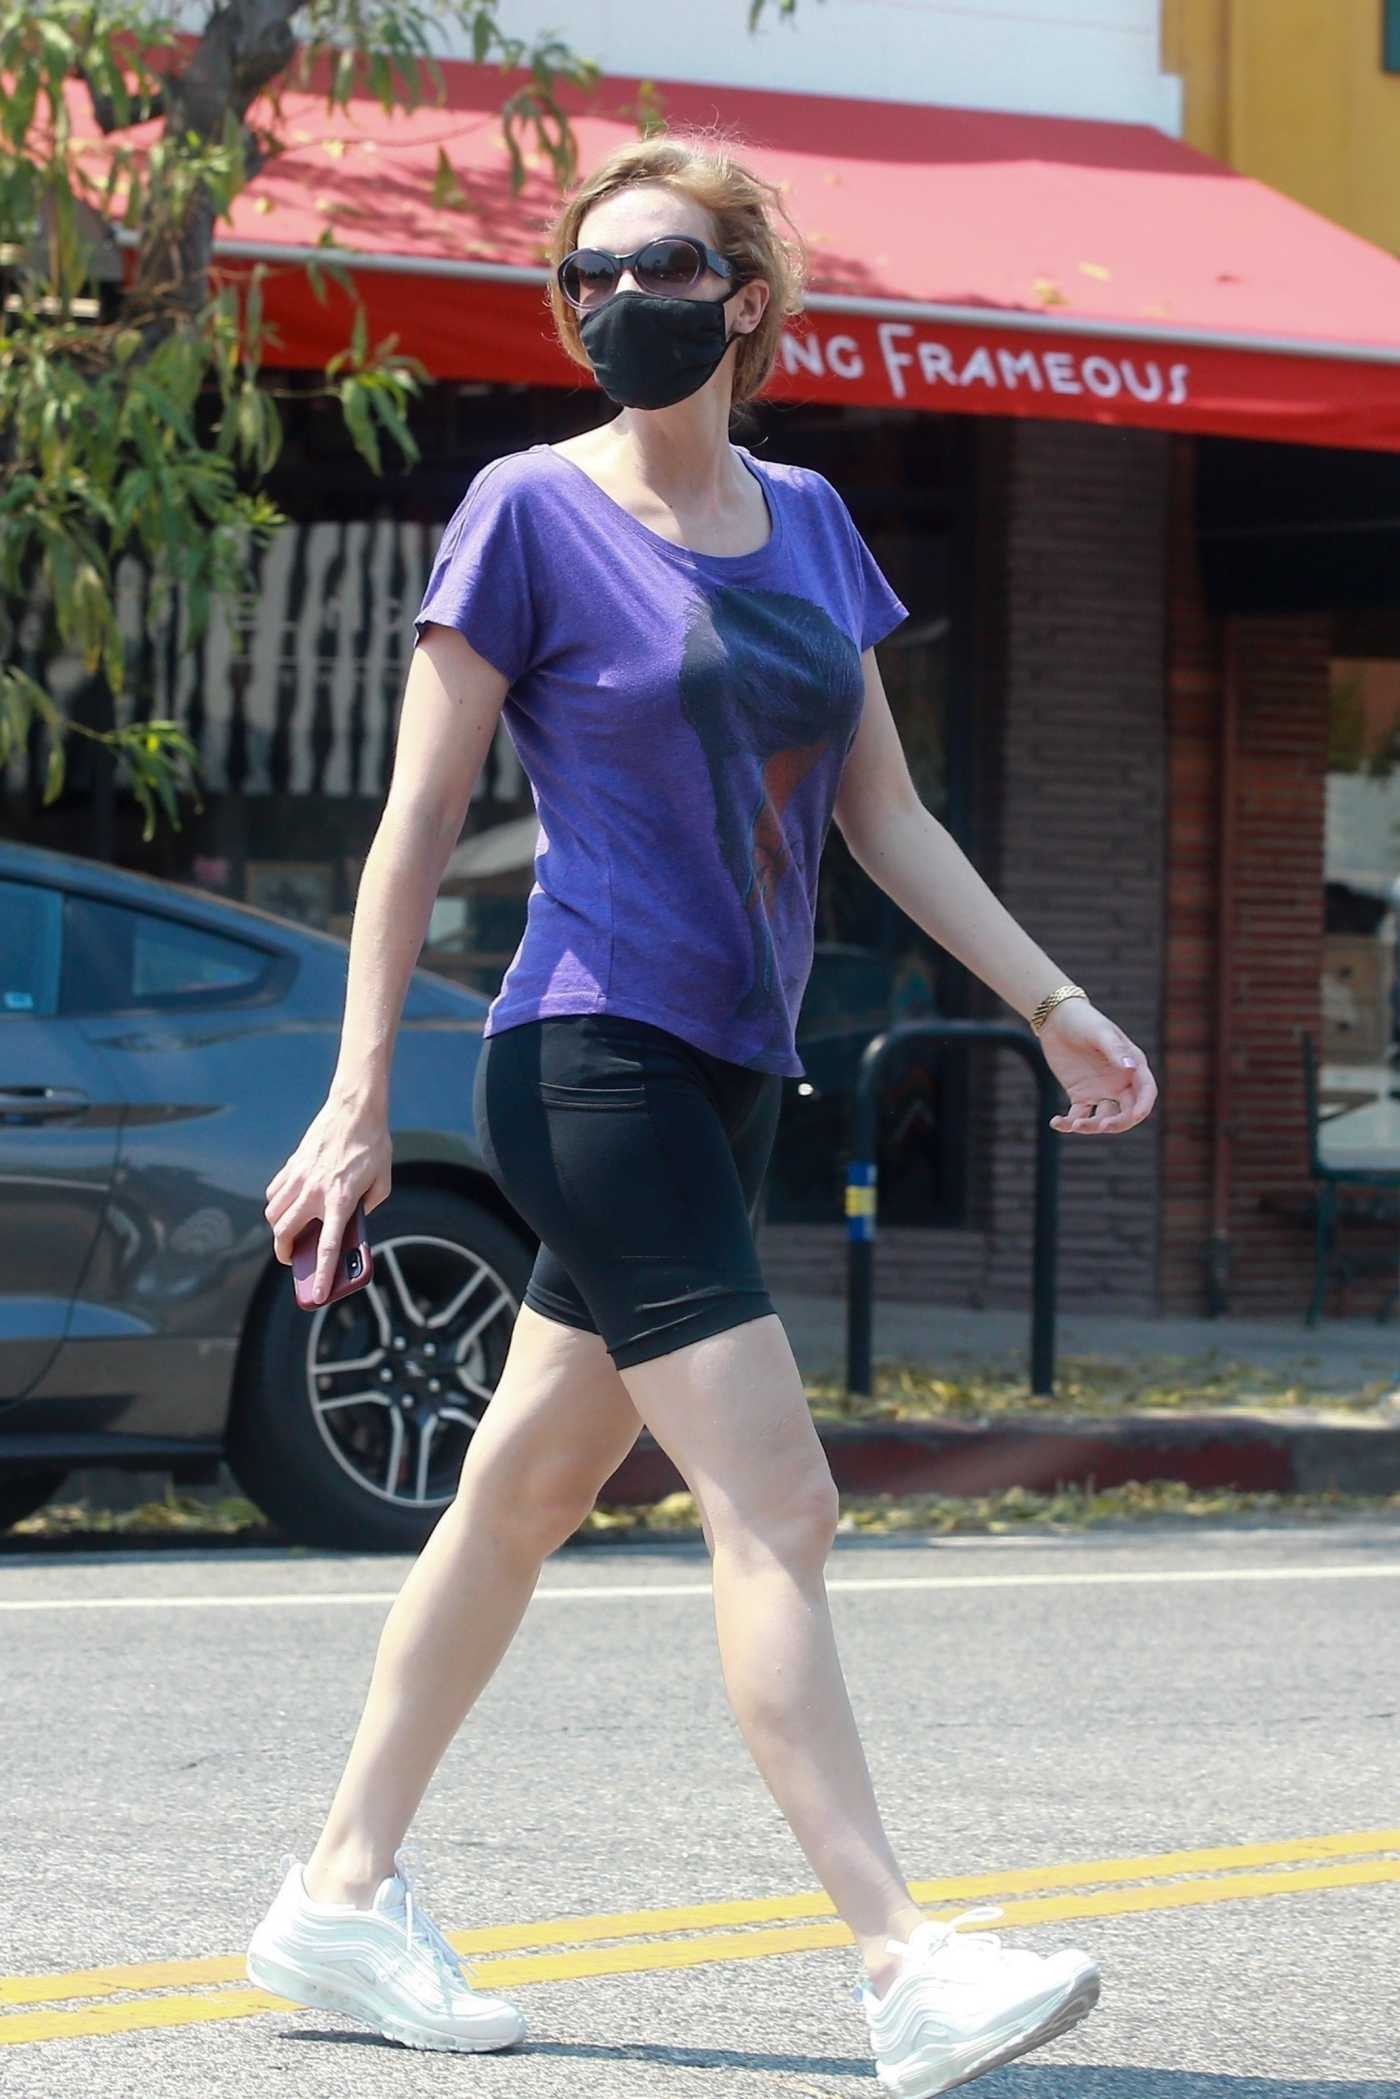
column 1048, row 1004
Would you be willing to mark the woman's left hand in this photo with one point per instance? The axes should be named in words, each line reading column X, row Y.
column 1106, row 1076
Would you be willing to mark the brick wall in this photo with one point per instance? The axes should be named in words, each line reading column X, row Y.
column 911, row 1266
column 1277, row 912
column 1187, row 1073
column 1074, row 789
column 1282, row 675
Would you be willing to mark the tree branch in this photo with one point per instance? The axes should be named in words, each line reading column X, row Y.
column 104, row 109
column 245, row 44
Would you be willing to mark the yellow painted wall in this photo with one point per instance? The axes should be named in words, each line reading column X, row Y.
column 1294, row 92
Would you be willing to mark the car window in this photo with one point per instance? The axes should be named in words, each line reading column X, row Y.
column 29, row 940
column 114, row 957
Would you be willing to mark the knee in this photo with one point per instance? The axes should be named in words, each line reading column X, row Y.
column 793, row 1523
column 532, row 1508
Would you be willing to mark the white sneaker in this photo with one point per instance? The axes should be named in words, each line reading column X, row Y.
column 388, row 1965
column 959, row 2006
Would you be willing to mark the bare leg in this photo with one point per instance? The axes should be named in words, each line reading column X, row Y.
column 558, row 1426
column 731, row 1413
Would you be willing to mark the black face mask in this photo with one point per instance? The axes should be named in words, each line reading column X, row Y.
column 647, row 352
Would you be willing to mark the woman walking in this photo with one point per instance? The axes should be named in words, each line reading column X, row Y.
column 682, row 638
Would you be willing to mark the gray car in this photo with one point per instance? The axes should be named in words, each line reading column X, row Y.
column 161, row 1054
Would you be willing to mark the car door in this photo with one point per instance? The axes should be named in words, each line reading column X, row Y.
column 59, row 1127
column 191, row 1021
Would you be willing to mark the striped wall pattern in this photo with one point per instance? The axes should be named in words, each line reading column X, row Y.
column 297, row 692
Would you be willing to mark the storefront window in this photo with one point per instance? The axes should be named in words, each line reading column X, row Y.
column 1362, row 874
column 905, row 479
column 872, row 967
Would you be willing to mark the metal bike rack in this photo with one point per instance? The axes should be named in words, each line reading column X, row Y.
column 862, row 1192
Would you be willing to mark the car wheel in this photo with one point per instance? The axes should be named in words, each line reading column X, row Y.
column 351, row 1422
column 21, row 1493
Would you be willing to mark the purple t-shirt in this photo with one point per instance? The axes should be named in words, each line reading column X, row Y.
column 683, row 720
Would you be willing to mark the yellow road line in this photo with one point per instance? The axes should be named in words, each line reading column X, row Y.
column 1078, row 1873
column 714, row 1946
column 141, row 2016
column 806, row 1938
column 772, row 1909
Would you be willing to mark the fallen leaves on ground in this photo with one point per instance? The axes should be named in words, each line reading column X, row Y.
column 1091, row 1385
column 1018, row 1509
column 174, row 1512
column 1070, row 1508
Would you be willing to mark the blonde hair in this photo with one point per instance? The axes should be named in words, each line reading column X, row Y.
column 745, row 210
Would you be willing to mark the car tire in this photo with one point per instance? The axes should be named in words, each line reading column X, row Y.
column 292, row 1459
column 21, row 1493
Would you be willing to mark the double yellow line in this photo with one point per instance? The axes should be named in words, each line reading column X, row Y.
column 631, row 1942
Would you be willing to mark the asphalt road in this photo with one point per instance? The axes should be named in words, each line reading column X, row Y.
column 1178, row 1750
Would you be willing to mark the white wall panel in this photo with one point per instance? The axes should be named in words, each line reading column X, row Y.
column 1073, row 58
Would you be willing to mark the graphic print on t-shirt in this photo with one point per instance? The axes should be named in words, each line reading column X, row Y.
column 769, row 684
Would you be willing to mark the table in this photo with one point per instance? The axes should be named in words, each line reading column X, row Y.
column 1365, row 1137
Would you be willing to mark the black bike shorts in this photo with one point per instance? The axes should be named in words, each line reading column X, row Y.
column 638, row 1160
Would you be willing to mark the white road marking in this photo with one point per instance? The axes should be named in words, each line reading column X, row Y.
column 287, row 1599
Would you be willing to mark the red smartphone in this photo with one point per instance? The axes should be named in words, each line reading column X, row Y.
column 353, row 1268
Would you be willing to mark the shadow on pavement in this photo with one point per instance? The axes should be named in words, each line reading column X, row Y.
column 1016, row 2081
column 1130, row 2081
column 636, row 2052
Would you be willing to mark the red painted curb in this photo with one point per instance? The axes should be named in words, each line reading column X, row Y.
column 1041, row 1453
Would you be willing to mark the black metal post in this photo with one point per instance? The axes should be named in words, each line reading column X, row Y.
column 862, row 1193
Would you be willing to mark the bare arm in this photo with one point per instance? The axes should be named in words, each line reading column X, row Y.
column 902, row 846
column 451, row 705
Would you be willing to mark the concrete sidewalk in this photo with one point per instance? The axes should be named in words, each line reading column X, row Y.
column 1306, row 1449
column 1334, row 1356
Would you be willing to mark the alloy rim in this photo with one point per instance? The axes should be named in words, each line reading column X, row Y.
column 400, row 1373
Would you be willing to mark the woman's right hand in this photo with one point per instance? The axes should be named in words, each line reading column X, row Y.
column 344, row 1157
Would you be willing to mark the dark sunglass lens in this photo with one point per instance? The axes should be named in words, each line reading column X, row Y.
column 670, row 265
column 589, row 277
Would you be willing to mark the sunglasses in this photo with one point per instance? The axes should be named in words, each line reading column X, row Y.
column 671, row 264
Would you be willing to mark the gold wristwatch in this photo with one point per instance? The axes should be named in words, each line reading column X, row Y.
column 1048, row 1004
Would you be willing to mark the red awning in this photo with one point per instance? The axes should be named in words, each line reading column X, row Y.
column 961, row 260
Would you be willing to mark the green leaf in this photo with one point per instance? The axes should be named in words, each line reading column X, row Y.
column 143, row 797
column 54, row 770
column 270, row 440
column 391, row 416
column 253, row 315
column 249, row 423
column 58, row 46
column 447, row 192
column 18, row 106
column 355, row 408
column 107, row 77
